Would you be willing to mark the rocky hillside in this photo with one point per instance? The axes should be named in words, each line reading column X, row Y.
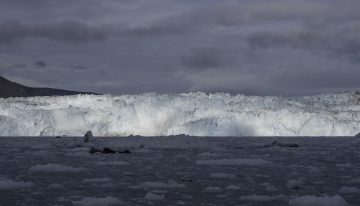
column 12, row 89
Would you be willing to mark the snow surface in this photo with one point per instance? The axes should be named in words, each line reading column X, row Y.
column 196, row 114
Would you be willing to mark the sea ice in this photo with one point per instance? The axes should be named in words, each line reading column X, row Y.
column 153, row 196
column 237, row 161
column 232, row 187
column 98, row 201
column 309, row 200
column 55, row 168
column 349, row 190
column 260, row 198
column 294, row 184
column 8, row 184
column 115, row 163
column 97, row 180
column 214, row 189
column 169, row 184
column 223, row 175
column 56, row 186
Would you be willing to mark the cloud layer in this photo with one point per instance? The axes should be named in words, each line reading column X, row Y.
column 254, row 47
column 68, row 31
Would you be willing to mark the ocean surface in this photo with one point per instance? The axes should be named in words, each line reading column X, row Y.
column 180, row 170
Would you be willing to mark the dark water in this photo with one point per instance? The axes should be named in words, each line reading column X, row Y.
column 320, row 165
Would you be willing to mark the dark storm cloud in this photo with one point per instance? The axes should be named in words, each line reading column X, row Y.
column 254, row 13
column 338, row 43
column 253, row 46
column 40, row 64
column 79, row 68
column 18, row 66
column 153, row 31
column 202, row 58
column 68, row 31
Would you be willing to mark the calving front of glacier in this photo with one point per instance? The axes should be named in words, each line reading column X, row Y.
column 197, row 114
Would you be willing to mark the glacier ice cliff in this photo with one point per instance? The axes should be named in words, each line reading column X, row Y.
column 199, row 114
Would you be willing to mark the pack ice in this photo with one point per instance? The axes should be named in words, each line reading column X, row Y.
column 199, row 114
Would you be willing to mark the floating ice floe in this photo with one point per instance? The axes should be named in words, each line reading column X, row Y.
column 223, row 175
column 349, row 190
column 55, row 168
column 169, row 184
column 8, row 184
column 294, row 184
column 232, row 187
column 154, row 196
column 237, row 161
column 213, row 189
column 261, row 198
column 97, row 180
column 114, row 163
column 98, row 201
column 309, row 200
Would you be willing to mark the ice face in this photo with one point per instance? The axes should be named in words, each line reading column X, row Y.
column 197, row 114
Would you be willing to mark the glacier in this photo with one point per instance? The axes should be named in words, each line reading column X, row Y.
column 195, row 114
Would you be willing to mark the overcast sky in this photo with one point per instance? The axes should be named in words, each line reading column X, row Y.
column 261, row 47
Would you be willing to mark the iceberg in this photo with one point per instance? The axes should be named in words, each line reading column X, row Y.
column 196, row 114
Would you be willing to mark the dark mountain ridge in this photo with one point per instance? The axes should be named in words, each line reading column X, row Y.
column 12, row 89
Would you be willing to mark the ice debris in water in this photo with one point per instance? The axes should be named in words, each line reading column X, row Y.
column 349, row 190
column 294, row 184
column 169, row 184
column 153, row 196
column 54, row 168
column 8, row 184
column 98, row 201
column 88, row 136
column 213, row 189
column 236, row 161
column 309, row 200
